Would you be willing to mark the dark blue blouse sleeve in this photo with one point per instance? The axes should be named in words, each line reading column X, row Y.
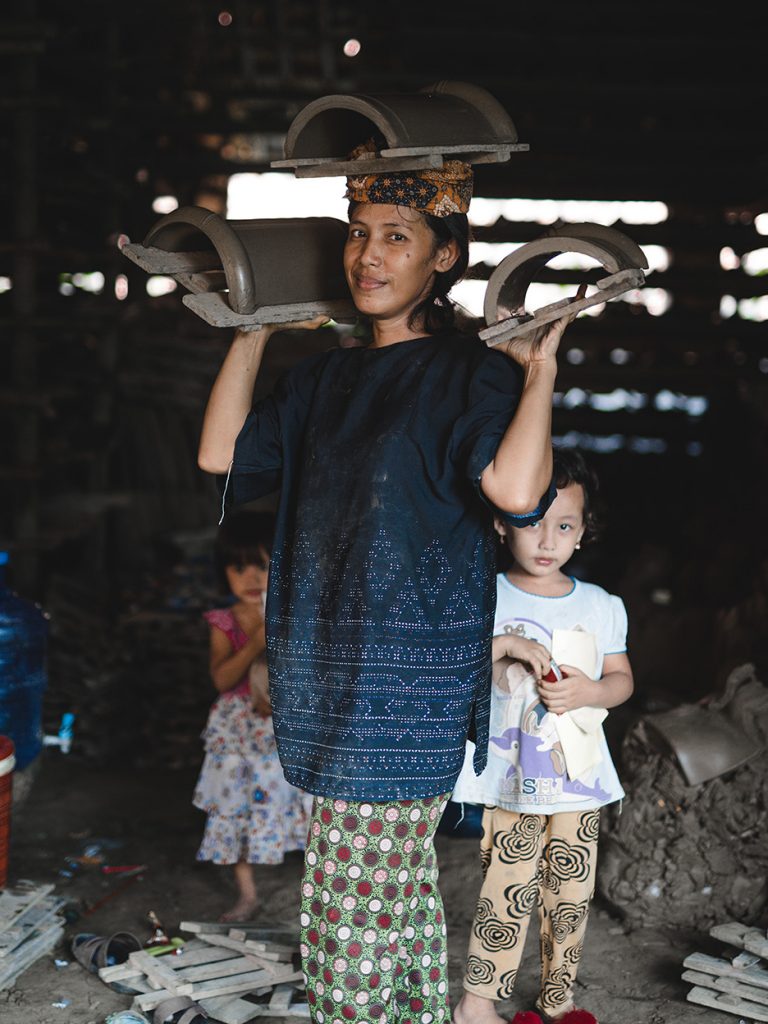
column 258, row 461
column 494, row 393
column 272, row 433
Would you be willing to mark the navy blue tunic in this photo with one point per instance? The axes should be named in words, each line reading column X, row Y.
column 382, row 583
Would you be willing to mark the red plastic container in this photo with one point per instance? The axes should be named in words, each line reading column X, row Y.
column 7, row 764
column 554, row 675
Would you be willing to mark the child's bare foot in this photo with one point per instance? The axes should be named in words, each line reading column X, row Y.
column 243, row 910
column 247, row 897
column 472, row 1009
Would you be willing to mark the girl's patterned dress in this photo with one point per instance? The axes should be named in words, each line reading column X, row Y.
column 253, row 813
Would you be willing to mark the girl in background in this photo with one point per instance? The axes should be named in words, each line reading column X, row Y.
column 254, row 815
column 540, row 825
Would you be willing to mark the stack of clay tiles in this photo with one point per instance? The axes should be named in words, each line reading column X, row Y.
column 246, row 273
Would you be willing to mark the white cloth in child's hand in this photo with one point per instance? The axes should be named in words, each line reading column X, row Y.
column 580, row 730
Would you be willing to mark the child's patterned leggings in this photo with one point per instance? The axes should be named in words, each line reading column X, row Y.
column 532, row 860
column 372, row 923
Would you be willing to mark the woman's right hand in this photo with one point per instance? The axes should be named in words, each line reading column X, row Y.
column 269, row 329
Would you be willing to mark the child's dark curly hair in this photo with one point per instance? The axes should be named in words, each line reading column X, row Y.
column 242, row 536
column 570, row 467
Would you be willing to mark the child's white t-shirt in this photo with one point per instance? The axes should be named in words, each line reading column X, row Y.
column 526, row 768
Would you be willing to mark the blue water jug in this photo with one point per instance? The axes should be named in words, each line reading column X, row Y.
column 23, row 670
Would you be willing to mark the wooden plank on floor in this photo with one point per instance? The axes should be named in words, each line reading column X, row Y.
column 214, row 927
column 225, row 941
column 202, row 965
column 192, row 944
column 204, row 954
column 226, row 986
column 757, row 995
column 279, row 954
column 281, row 997
column 34, row 918
column 120, row 972
column 727, row 1003
column 160, row 975
column 742, row 936
column 756, row 942
column 756, row 975
column 287, row 936
column 242, row 947
column 270, row 938
column 28, row 952
column 207, row 954
column 16, row 901
column 223, row 969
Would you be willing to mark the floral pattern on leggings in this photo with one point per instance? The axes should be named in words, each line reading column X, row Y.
column 372, row 922
column 532, row 862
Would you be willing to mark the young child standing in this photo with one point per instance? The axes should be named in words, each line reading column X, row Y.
column 254, row 815
column 540, row 824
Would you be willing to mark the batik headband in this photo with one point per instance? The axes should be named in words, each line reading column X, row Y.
column 439, row 191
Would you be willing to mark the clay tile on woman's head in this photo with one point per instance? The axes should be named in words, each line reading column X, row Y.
column 439, row 191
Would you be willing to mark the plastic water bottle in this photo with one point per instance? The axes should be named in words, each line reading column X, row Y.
column 23, row 671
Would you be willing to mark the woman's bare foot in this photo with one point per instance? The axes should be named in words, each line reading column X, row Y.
column 472, row 1009
column 243, row 910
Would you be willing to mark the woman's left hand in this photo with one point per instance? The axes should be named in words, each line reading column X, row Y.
column 574, row 690
column 540, row 345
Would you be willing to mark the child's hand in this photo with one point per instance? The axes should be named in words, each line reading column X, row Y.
column 532, row 653
column 258, row 684
column 574, row 690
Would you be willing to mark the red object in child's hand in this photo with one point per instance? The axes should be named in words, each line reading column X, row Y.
column 554, row 675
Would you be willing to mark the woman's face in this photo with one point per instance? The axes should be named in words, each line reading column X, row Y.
column 390, row 260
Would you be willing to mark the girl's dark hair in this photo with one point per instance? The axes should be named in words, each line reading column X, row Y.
column 241, row 536
column 436, row 313
column 570, row 467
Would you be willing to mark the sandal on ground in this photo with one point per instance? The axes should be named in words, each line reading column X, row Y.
column 180, row 1010
column 95, row 951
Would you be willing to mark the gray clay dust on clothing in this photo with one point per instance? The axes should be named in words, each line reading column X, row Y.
column 382, row 582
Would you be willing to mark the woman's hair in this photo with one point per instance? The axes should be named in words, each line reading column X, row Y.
column 570, row 467
column 241, row 537
column 436, row 313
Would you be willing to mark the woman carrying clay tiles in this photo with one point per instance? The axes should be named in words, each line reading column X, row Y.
column 390, row 460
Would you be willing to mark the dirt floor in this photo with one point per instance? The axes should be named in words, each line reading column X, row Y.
column 147, row 818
